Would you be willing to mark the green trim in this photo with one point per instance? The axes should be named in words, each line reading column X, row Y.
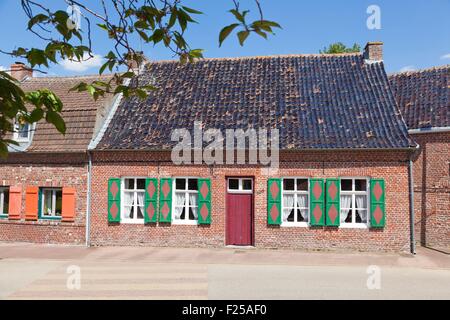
column 3, row 216
column 153, row 200
column 204, row 201
column 274, row 203
column 336, row 202
column 317, row 203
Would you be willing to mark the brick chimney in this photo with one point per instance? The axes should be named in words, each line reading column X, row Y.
column 373, row 51
column 20, row 71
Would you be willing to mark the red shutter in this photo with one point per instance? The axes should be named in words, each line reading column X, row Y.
column 15, row 202
column 68, row 204
column 31, row 203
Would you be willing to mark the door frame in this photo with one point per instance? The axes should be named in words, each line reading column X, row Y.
column 252, row 214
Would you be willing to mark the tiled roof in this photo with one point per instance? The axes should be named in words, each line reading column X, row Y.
column 316, row 102
column 423, row 97
column 80, row 113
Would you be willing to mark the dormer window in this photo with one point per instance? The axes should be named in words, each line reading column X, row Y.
column 22, row 132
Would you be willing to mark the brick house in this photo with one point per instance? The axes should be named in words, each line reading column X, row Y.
column 342, row 180
column 44, row 180
column 424, row 100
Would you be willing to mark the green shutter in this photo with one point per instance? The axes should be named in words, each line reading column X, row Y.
column 114, row 200
column 151, row 196
column 377, row 203
column 316, row 194
column 333, row 186
column 165, row 200
column 204, row 201
column 274, row 201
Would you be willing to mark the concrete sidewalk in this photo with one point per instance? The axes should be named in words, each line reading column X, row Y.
column 425, row 258
column 30, row 271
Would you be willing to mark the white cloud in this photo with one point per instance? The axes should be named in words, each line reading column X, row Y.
column 408, row 68
column 81, row 66
column 446, row 56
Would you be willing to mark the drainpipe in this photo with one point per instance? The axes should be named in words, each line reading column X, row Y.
column 411, row 205
column 88, row 201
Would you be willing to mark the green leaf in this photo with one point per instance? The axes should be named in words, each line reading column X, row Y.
column 238, row 15
column 190, row 10
column 36, row 115
column 55, row 119
column 225, row 32
column 37, row 19
column 242, row 36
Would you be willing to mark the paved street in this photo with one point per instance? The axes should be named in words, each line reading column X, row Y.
column 44, row 272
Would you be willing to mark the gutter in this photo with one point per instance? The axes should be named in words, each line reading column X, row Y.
column 88, row 201
column 429, row 130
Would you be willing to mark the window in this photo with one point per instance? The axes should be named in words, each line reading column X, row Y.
column 133, row 200
column 240, row 185
column 51, row 202
column 22, row 132
column 4, row 200
column 185, row 200
column 354, row 194
column 295, row 202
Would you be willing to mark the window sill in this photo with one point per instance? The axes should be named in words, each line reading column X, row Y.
column 185, row 222
column 354, row 226
column 132, row 221
column 50, row 218
column 3, row 216
column 295, row 224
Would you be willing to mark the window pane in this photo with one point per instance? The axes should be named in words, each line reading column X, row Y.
column 360, row 185
column 346, row 216
column 302, row 201
column 132, row 213
column 178, row 212
column 193, row 213
column 58, row 205
column 288, row 184
column 361, row 216
column 247, row 184
column 192, row 184
column 129, row 184
column 140, row 214
column 128, row 198
column 288, row 200
column 180, row 184
column 5, row 201
column 140, row 198
column 127, row 211
column 288, row 215
column 361, row 202
column 193, row 199
column 141, row 184
column 302, row 184
column 183, row 213
column 47, row 203
column 346, row 201
column 346, row 184
column 180, row 199
column 23, row 131
column 300, row 216
column 233, row 184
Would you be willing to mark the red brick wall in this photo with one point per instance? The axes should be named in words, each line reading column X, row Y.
column 432, row 189
column 391, row 166
column 45, row 170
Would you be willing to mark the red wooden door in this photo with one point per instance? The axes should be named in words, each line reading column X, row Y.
column 239, row 218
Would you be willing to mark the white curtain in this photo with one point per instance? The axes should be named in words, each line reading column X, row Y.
column 301, row 203
column 361, row 203
column 193, row 198
column 128, row 203
column 140, row 203
column 288, row 203
column 346, row 203
column 180, row 200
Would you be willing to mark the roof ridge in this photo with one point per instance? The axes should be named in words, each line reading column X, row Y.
column 434, row 68
column 265, row 57
column 67, row 77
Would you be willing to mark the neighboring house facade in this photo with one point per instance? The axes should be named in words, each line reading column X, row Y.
column 44, row 180
column 342, row 180
column 424, row 100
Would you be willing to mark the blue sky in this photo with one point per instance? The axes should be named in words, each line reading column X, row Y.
column 416, row 33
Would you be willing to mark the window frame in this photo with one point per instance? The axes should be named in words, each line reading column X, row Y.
column 2, row 201
column 16, row 131
column 295, row 192
column 354, row 193
column 135, row 191
column 43, row 216
column 185, row 221
column 240, row 185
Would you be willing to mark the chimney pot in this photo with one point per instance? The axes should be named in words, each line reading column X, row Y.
column 374, row 51
column 20, row 71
